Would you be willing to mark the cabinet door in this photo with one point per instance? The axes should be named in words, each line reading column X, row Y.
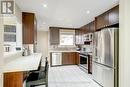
column 77, row 36
column 102, row 21
column 114, row 15
column 71, row 58
column 28, row 28
column 92, row 27
column 77, row 58
column 54, row 36
column 81, row 33
column 14, row 79
column 65, row 58
column 68, row 58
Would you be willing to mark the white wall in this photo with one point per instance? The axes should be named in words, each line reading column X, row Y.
column 15, row 19
column 42, row 43
column 1, row 50
column 124, row 54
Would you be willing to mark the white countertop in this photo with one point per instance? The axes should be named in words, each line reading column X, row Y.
column 63, row 51
column 24, row 63
column 10, row 56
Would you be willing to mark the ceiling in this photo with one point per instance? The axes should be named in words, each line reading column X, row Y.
column 65, row 13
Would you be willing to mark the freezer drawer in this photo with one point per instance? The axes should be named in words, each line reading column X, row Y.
column 56, row 59
column 103, row 75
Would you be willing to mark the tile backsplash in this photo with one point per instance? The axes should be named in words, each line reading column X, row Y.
column 30, row 47
column 87, row 48
column 62, row 48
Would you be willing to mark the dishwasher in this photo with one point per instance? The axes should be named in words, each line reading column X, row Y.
column 56, row 59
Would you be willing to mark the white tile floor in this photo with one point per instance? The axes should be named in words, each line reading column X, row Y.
column 69, row 76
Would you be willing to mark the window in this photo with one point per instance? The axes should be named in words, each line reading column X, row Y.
column 67, row 37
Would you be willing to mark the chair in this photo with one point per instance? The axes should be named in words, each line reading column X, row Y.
column 39, row 77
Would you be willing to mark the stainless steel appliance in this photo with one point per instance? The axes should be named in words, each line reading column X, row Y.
column 105, row 61
column 56, row 59
column 83, row 60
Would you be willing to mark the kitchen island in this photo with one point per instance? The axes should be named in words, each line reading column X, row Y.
column 17, row 70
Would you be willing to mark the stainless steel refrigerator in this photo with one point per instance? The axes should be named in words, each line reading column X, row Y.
column 105, row 61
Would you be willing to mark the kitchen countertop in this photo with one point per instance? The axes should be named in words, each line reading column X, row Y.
column 24, row 63
column 63, row 51
column 60, row 51
column 10, row 56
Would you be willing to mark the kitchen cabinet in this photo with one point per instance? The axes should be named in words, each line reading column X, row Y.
column 68, row 58
column 13, row 79
column 77, row 36
column 114, row 15
column 54, row 36
column 109, row 18
column 77, row 58
column 29, row 28
column 91, row 27
column 102, row 20
column 64, row 58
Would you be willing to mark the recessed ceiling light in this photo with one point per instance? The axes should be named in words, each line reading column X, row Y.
column 45, row 5
column 88, row 12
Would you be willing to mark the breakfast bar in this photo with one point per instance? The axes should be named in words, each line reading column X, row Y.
column 18, row 69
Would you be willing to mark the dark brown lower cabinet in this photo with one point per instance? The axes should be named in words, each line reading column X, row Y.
column 13, row 79
column 69, row 58
column 77, row 58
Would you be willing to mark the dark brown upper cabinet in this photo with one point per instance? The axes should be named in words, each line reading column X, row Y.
column 88, row 28
column 79, row 33
column 77, row 37
column 54, row 36
column 102, row 20
column 114, row 15
column 29, row 24
column 92, row 27
column 109, row 18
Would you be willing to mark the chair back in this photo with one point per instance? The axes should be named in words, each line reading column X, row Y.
column 45, row 72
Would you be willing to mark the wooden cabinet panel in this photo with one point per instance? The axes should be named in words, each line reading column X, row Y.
column 114, row 15
column 102, row 20
column 65, row 58
column 14, row 79
column 89, row 28
column 77, row 36
column 68, row 58
column 54, row 36
column 77, row 61
column 81, row 33
column 109, row 18
column 29, row 28
column 72, row 58
column 92, row 27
